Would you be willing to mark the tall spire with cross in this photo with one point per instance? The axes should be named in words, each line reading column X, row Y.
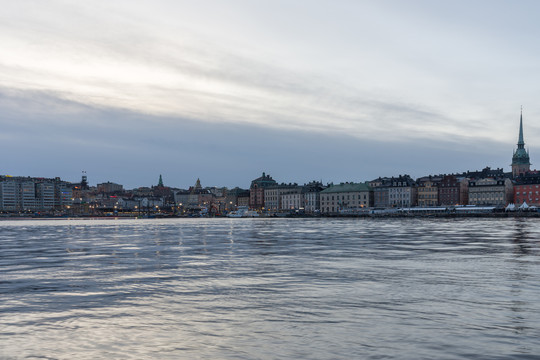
column 520, row 161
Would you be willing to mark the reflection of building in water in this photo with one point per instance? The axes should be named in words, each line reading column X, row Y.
column 522, row 237
column 521, row 275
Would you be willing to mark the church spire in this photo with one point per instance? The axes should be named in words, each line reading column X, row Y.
column 520, row 161
column 160, row 183
column 521, row 142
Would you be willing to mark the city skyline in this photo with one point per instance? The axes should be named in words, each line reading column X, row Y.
column 492, row 187
column 223, row 92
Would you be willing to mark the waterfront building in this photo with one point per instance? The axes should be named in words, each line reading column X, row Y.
column 346, row 197
column 243, row 200
column 380, row 188
column 194, row 197
column 453, row 190
column 256, row 190
column 520, row 160
column 312, row 196
column 34, row 194
column 45, row 195
column 181, row 197
column 8, row 195
column 152, row 202
column 428, row 191
column 273, row 196
column 490, row 191
column 206, row 198
column 402, row 192
column 128, row 204
column 27, row 195
column 527, row 189
column 292, row 199
column 233, row 197
column 63, row 195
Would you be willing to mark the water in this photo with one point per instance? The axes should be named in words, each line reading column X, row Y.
column 270, row 289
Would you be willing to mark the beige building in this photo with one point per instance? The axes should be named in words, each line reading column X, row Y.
column 305, row 198
column 273, row 196
column 346, row 197
column 490, row 191
column 292, row 200
column 428, row 191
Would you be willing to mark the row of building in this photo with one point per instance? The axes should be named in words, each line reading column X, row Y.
column 488, row 187
column 34, row 194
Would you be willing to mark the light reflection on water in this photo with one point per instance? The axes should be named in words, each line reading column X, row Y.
column 270, row 289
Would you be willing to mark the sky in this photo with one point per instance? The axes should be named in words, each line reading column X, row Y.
column 303, row 90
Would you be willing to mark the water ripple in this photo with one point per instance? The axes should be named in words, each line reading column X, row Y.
column 270, row 289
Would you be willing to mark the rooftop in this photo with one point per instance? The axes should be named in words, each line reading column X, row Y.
column 347, row 187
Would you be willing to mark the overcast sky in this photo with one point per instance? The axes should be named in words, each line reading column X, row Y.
column 301, row 89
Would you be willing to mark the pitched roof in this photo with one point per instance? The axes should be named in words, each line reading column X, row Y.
column 347, row 187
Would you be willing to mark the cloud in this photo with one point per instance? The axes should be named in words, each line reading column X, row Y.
column 46, row 136
column 111, row 60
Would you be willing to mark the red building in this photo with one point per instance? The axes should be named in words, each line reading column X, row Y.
column 453, row 190
column 256, row 191
column 527, row 189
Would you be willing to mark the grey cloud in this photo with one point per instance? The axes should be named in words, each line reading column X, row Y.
column 133, row 148
column 276, row 97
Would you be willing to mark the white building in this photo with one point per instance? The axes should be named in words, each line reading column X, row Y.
column 402, row 192
column 273, row 196
column 293, row 199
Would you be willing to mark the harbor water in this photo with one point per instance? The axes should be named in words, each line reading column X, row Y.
column 270, row 289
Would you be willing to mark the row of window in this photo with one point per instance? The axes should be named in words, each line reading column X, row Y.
column 324, row 203
column 487, row 196
column 343, row 197
column 525, row 186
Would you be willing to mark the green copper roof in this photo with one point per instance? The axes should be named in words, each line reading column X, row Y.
column 263, row 181
column 346, row 187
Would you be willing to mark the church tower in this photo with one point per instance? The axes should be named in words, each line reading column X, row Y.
column 520, row 161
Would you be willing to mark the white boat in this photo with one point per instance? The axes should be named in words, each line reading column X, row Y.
column 242, row 212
